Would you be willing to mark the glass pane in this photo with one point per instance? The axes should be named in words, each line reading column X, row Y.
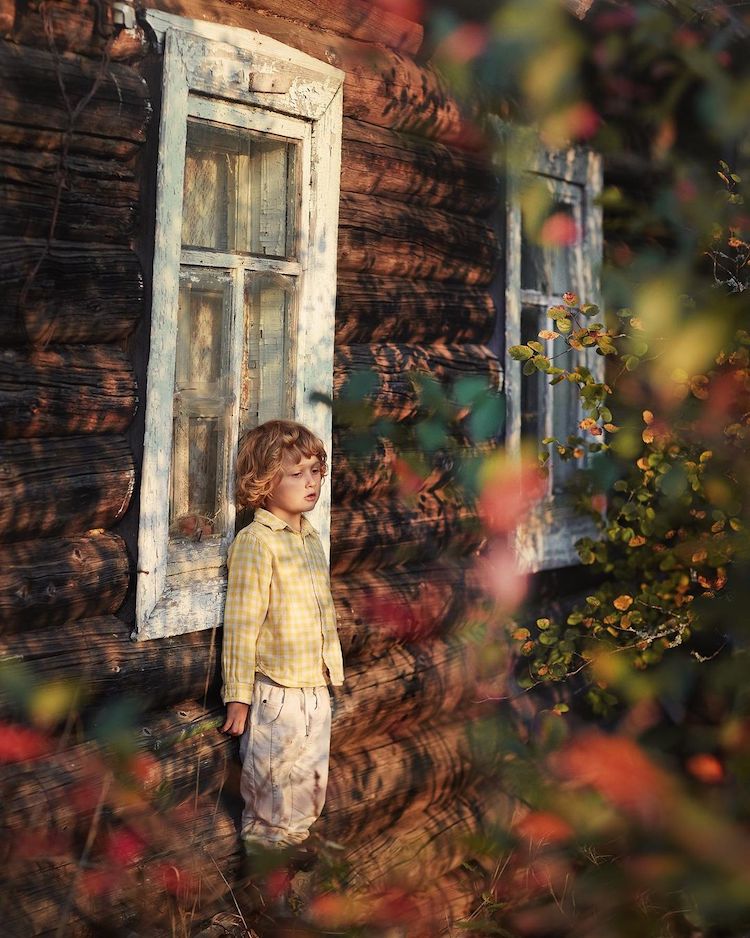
column 201, row 405
column 564, row 402
column 201, row 315
column 269, row 355
column 548, row 256
column 240, row 192
column 532, row 386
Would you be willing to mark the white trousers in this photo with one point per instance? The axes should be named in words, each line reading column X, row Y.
column 284, row 752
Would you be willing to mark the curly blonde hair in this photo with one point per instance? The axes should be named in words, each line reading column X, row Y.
column 261, row 453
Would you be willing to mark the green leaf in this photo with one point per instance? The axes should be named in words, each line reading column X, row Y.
column 589, row 309
column 487, row 418
column 360, row 385
column 537, row 346
column 564, row 324
column 431, row 434
column 543, row 623
column 467, row 390
column 520, row 353
column 529, row 368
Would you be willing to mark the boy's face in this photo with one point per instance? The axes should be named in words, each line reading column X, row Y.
column 297, row 489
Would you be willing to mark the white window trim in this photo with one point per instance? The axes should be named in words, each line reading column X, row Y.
column 546, row 539
column 242, row 67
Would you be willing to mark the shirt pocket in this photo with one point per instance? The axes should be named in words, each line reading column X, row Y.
column 271, row 700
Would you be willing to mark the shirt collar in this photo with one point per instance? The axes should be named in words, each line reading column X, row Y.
column 270, row 520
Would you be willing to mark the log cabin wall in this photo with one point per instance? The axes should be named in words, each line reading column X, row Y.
column 417, row 255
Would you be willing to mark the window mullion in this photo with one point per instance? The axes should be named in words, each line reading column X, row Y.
column 236, row 337
column 513, row 312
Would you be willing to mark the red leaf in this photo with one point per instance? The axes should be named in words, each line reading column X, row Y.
column 18, row 743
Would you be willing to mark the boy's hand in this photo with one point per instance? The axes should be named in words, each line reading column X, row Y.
column 236, row 718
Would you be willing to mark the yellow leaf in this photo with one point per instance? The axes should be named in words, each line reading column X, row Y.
column 623, row 602
column 637, row 541
column 549, row 334
column 648, row 417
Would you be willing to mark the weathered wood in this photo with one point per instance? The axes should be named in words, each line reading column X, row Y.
column 187, row 753
column 383, row 87
column 31, row 97
column 427, row 843
column 377, row 309
column 83, row 199
column 389, row 532
column 48, row 582
column 376, row 609
column 72, row 26
column 67, row 292
column 65, row 485
column 395, row 393
column 408, row 684
column 63, row 390
column 417, row 681
column 395, row 240
column 385, row 470
column 359, row 19
column 392, row 165
column 97, row 654
column 198, row 846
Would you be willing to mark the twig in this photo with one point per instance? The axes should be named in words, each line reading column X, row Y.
column 93, row 830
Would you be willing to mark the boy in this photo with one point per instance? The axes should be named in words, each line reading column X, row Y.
column 280, row 639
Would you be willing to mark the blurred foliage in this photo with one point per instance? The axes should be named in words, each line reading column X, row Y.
column 624, row 730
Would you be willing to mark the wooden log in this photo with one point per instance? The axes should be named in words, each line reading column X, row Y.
column 429, row 842
column 376, row 609
column 411, row 681
column 390, row 532
column 31, row 97
column 199, row 847
column 392, row 165
column 64, row 485
column 98, row 655
column 63, row 390
column 48, row 582
column 434, row 761
column 408, row 684
column 395, row 394
column 357, row 20
column 383, row 87
column 67, row 292
column 82, row 199
column 74, row 26
column 385, row 471
column 377, row 309
column 391, row 239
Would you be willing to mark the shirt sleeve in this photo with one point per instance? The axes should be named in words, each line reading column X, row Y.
column 245, row 611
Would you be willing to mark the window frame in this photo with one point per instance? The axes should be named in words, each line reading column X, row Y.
column 213, row 69
column 546, row 538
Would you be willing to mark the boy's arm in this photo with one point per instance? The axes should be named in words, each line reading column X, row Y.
column 245, row 610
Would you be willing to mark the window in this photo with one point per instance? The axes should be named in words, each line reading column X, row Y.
column 554, row 246
column 243, row 294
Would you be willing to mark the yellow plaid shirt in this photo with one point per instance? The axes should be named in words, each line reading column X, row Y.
column 279, row 616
